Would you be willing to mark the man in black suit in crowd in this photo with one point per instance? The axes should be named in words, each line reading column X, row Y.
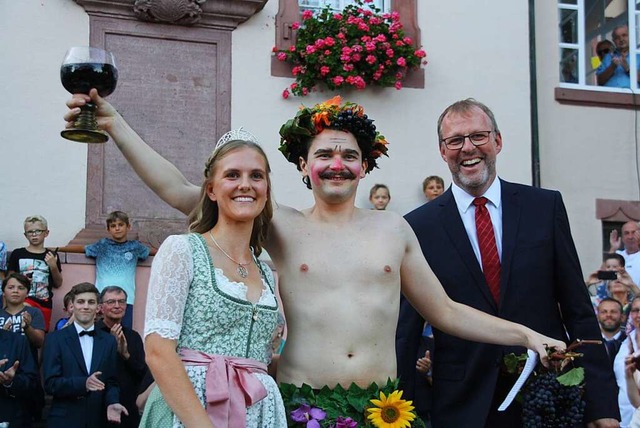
column 610, row 320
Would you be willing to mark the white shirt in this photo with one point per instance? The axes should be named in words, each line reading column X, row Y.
column 86, row 343
column 626, row 408
column 467, row 211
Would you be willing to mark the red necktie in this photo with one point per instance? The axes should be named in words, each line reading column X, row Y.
column 488, row 248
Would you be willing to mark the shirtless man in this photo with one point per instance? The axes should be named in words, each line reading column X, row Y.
column 340, row 268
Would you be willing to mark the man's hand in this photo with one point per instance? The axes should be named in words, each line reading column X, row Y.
column 114, row 412
column 423, row 365
column 7, row 325
column 604, row 423
column 614, row 241
column 93, row 383
column 6, row 377
column 117, row 332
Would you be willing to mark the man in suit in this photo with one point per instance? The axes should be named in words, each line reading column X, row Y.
column 79, row 366
column 130, row 366
column 521, row 265
column 610, row 320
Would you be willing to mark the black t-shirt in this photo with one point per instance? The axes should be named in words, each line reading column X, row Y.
column 32, row 264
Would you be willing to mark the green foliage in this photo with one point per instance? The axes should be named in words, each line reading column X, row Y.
column 351, row 402
column 573, row 377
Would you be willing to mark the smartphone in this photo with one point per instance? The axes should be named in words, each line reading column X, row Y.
column 607, row 275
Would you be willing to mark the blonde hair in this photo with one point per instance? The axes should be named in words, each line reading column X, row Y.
column 205, row 215
column 36, row 219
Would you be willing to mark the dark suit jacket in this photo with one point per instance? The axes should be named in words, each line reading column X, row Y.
column 14, row 346
column 130, row 374
column 615, row 346
column 65, row 376
column 541, row 287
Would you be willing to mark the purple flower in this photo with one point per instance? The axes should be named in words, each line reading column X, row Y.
column 343, row 422
column 308, row 414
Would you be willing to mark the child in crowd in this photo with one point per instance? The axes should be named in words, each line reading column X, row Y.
column 379, row 196
column 68, row 308
column 116, row 260
column 39, row 264
column 432, row 187
column 19, row 318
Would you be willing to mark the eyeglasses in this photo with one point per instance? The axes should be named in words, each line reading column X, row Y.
column 456, row 142
column 635, row 310
column 36, row 232
column 112, row 302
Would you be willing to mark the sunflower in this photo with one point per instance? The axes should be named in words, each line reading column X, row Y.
column 391, row 411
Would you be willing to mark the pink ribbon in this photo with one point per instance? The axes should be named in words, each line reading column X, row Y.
column 231, row 386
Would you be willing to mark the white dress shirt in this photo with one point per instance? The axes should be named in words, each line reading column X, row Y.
column 86, row 343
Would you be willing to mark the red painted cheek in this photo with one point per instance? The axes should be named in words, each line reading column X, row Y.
column 314, row 174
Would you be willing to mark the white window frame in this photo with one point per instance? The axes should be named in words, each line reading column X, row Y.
column 633, row 17
column 338, row 5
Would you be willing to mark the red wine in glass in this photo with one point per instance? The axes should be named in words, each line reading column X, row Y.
column 84, row 68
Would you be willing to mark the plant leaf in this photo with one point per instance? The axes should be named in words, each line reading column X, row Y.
column 573, row 377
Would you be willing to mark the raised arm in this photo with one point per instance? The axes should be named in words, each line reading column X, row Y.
column 424, row 291
column 158, row 173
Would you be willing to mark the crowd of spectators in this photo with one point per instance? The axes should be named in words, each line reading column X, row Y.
column 90, row 363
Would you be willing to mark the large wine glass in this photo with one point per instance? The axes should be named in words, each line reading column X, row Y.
column 84, row 68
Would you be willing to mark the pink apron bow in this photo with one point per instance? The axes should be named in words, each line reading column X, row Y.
column 231, row 386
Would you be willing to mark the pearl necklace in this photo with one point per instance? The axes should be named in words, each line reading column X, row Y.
column 241, row 269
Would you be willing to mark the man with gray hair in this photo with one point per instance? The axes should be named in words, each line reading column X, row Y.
column 631, row 251
column 505, row 249
column 130, row 366
column 614, row 71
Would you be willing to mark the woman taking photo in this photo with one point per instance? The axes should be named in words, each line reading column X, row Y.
column 212, row 300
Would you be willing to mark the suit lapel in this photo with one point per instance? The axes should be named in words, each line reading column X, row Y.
column 510, row 223
column 98, row 345
column 453, row 226
column 73, row 343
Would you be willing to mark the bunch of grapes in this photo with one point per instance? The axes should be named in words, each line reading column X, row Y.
column 548, row 404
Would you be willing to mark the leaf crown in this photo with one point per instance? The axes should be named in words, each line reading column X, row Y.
column 297, row 133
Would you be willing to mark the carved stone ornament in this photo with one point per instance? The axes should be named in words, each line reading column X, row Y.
column 218, row 14
column 181, row 12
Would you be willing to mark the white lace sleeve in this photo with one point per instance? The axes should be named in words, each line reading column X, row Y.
column 171, row 275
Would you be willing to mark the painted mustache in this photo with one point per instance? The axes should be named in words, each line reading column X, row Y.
column 348, row 175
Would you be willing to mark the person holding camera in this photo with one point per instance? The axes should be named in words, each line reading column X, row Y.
column 612, row 280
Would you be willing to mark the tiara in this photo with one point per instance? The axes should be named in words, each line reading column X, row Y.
column 235, row 134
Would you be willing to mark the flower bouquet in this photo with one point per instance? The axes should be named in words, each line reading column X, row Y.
column 353, row 48
column 552, row 397
column 379, row 407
